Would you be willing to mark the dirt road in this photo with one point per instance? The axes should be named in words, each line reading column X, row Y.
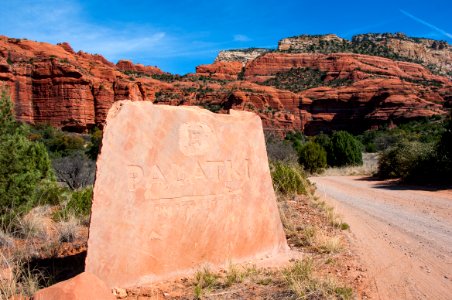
column 402, row 235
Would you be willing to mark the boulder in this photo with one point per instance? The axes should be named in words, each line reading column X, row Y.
column 82, row 287
column 178, row 188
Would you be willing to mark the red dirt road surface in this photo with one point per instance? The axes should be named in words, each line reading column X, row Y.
column 403, row 235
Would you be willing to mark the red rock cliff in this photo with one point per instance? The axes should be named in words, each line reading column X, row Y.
column 53, row 84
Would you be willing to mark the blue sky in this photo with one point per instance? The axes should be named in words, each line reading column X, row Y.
column 179, row 35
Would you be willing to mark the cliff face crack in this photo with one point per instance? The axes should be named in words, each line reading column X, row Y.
column 142, row 92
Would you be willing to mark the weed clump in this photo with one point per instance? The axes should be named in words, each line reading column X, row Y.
column 305, row 285
column 205, row 280
column 289, row 179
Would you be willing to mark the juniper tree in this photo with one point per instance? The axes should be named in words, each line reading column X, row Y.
column 24, row 165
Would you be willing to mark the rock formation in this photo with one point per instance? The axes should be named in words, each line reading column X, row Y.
column 241, row 55
column 307, row 43
column 177, row 188
column 81, row 287
column 305, row 85
column 436, row 55
column 223, row 70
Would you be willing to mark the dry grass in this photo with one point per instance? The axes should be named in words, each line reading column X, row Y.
column 68, row 229
column 328, row 244
column 329, row 213
column 210, row 285
column 309, row 235
column 369, row 167
column 6, row 240
column 312, row 236
column 37, row 224
column 34, row 235
column 287, row 213
column 15, row 279
column 301, row 279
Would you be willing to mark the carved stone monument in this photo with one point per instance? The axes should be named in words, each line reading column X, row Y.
column 177, row 188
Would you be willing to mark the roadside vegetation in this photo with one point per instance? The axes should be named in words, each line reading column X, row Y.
column 315, row 154
column 415, row 152
column 46, row 179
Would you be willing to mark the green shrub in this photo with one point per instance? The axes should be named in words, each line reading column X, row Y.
column 50, row 192
column 444, row 149
column 300, row 79
column 8, row 124
column 344, row 150
column 57, row 142
column 288, row 179
column 428, row 130
column 312, row 157
column 435, row 166
column 80, row 202
column 297, row 138
column 95, row 144
column 401, row 160
column 323, row 140
column 75, row 203
column 24, row 165
column 416, row 160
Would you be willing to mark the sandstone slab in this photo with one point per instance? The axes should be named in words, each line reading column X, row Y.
column 81, row 287
column 178, row 188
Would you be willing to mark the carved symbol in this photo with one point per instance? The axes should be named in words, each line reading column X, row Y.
column 155, row 236
column 195, row 138
column 134, row 176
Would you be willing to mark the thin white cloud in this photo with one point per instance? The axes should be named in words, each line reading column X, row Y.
column 65, row 21
column 241, row 38
column 443, row 32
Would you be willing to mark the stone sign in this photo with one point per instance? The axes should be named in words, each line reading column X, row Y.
column 177, row 188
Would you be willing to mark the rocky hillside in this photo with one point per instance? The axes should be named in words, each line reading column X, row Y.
column 242, row 55
column 293, row 88
column 433, row 54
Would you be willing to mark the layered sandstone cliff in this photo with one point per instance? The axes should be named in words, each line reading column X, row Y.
column 290, row 91
column 436, row 55
column 433, row 54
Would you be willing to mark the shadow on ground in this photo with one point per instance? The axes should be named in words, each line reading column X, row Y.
column 397, row 185
column 57, row 269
